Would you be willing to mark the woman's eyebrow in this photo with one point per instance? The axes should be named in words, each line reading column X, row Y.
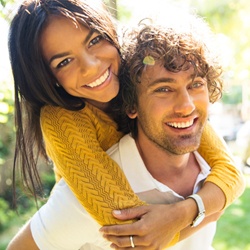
column 91, row 31
column 67, row 53
column 58, row 56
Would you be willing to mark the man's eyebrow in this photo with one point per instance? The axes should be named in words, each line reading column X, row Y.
column 170, row 79
column 163, row 79
column 67, row 53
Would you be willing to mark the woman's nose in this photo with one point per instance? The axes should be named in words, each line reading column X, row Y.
column 88, row 63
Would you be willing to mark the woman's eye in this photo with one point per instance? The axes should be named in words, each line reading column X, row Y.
column 96, row 40
column 162, row 90
column 64, row 63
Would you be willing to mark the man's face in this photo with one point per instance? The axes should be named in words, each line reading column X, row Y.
column 172, row 109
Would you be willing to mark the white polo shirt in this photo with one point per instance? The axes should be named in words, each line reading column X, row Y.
column 62, row 223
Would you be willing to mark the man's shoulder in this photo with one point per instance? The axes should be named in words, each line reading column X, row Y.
column 115, row 151
column 202, row 162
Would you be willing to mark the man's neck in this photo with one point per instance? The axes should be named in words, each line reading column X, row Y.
column 178, row 172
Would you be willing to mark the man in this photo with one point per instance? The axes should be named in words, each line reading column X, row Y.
column 166, row 97
column 172, row 79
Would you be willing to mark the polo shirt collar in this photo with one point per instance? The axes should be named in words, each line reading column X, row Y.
column 139, row 177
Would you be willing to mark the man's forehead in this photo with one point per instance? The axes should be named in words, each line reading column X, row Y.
column 151, row 72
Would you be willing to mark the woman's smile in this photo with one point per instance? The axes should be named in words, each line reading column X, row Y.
column 84, row 63
column 99, row 81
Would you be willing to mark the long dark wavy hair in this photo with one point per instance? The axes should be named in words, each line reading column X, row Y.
column 175, row 44
column 34, row 84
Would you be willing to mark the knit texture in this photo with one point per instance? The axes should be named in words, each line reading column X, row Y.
column 76, row 142
column 224, row 172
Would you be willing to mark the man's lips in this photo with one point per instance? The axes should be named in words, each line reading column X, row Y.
column 185, row 124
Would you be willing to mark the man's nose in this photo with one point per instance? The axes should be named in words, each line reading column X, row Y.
column 184, row 103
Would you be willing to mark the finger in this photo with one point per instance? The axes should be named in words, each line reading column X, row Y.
column 128, row 242
column 119, row 230
column 130, row 213
column 120, row 242
column 113, row 246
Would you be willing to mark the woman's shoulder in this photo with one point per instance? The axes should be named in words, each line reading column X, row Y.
column 88, row 113
column 55, row 111
column 49, row 108
column 56, row 115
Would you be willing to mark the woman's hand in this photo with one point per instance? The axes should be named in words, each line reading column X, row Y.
column 156, row 227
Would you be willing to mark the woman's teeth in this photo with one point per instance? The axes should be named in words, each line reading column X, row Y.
column 181, row 124
column 100, row 80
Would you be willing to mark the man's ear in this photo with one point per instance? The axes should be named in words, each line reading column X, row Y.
column 132, row 114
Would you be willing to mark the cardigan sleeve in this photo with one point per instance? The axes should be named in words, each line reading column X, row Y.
column 75, row 142
column 224, row 172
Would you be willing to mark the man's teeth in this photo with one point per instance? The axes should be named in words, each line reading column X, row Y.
column 181, row 124
column 99, row 81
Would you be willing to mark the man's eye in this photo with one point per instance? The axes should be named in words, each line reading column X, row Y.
column 197, row 84
column 96, row 40
column 64, row 63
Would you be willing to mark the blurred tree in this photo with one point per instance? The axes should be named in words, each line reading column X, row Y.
column 6, row 9
column 112, row 7
column 6, row 114
column 231, row 18
column 7, row 135
column 3, row 2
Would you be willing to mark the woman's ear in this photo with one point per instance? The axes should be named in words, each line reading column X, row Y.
column 132, row 114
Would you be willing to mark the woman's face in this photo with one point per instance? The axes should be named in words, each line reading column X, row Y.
column 84, row 64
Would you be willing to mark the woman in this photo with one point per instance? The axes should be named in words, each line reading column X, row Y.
column 64, row 86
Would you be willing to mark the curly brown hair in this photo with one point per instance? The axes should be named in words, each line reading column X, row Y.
column 173, row 45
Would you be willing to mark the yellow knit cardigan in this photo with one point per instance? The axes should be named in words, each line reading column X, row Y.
column 76, row 142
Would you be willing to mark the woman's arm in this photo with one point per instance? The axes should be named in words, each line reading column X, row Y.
column 79, row 167
column 61, row 223
column 53, row 227
column 23, row 240
column 223, row 185
column 224, row 172
column 76, row 142
column 157, row 224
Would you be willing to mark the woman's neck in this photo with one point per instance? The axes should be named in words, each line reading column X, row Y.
column 104, row 106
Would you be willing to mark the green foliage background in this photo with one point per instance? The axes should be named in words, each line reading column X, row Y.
column 229, row 17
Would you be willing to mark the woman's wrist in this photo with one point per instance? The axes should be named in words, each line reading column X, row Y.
column 184, row 213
